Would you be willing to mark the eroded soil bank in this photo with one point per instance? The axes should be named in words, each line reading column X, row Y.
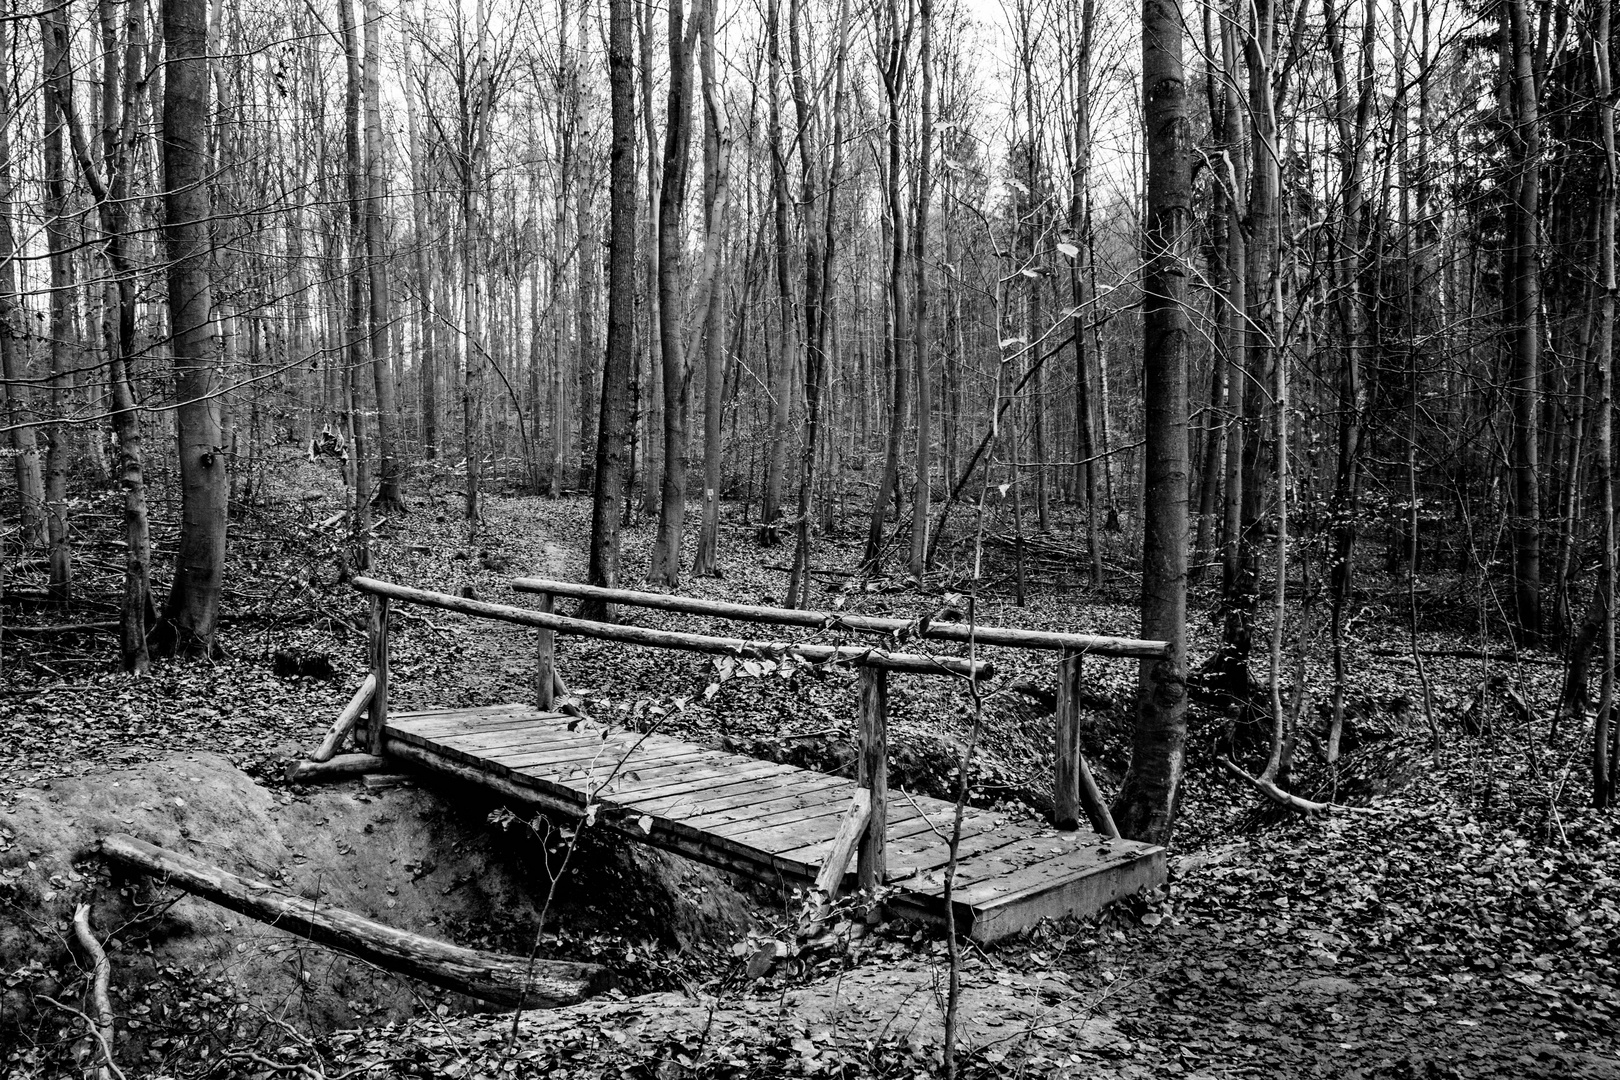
column 198, row 980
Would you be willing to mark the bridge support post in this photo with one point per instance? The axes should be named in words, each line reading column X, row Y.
column 1066, row 744
column 377, row 710
column 1075, row 790
column 545, row 683
column 873, row 774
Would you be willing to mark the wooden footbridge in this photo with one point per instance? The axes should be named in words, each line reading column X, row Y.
column 776, row 823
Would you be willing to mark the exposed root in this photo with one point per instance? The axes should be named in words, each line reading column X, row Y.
column 1270, row 790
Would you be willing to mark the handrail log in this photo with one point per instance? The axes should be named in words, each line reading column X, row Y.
column 668, row 639
column 1007, row 636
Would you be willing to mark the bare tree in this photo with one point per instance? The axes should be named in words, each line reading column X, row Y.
column 1148, row 797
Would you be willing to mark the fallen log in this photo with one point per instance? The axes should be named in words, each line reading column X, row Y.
column 493, row 977
column 313, row 772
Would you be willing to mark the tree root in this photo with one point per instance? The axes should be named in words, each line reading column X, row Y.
column 1270, row 790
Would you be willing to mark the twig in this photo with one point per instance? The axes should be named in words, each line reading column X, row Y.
column 106, row 1052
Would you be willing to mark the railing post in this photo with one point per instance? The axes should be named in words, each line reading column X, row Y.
column 1066, row 744
column 873, row 774
column 377, row 711
column 545, row 695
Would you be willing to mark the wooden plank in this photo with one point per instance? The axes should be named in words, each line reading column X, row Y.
column 474, row 747
column 415, row 716
column 466, row 723
column 791, row 835
column 532, row 737
column 576, row 773
column 1027, row 862
column 773, row 810
column 557, row 750
column 685, row 788
column 801, row 784
column 1020, row 874
column 1078, row 896
column 743, row 830
column 695, row 793
column 627, row 770
column 664, row 834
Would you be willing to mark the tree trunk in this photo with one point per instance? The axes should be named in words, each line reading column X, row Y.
column 192, row 611
column 14, row 331
column 607, row 497
column 1148, row 797
column 59, row 245
column 390, row 480
column 1603, row 736
column 716, row 143
column 922, row 327
column 782, row 362
column 1524, row 314
column 897, row 351
column 666, row 553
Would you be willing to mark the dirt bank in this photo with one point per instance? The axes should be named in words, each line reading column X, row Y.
column 422, row 861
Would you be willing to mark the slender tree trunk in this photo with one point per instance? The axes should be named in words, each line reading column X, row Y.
column 820, row 265
column 427, row 358
column 922, row 336
column 390, row 478
column 716, row 146
column 14, row 330
column 1524, row 314
column 59, row 246
column 1603, row 738
column 1352, row 119
column 782, row 361
column 897, row 353
column 1149, row 795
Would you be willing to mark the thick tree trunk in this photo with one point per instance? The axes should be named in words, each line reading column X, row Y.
column 666, row 553
column 192, row 611
column 615, row 422
column 1148, row 797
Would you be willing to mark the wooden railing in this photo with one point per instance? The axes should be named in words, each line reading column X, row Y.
column 1074, row 789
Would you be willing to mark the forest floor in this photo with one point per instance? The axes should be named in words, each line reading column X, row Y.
column 1463, row 921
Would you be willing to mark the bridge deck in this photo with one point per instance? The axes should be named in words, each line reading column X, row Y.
column 773, row 822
